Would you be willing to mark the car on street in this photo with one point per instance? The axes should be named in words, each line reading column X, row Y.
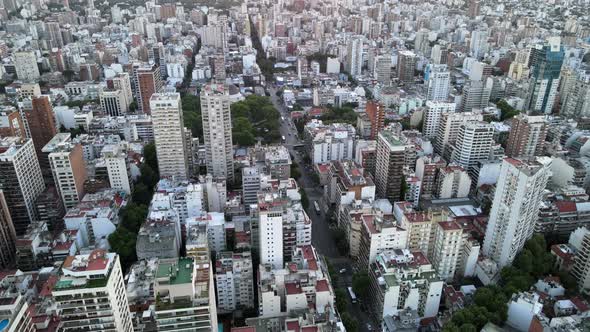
column 342, row 271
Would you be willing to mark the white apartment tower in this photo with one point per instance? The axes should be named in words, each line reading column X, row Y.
column 215, row 109
column 234, row 279
column 434, row 111
column 448, row 246
column 354, row 57
column 270, row 226
column 90, row 294
column 382, row 70
column 117, row 168
column 169, row 135
column 438, row 83
column 123, row 83
column 113, row 102
column 515, row 208
column 474, row 143
column 448, row 130
column 26, row 67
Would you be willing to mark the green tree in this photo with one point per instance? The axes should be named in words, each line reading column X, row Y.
column 340, row 299
column 242, row 132
column 148, row 176
column 122, row 241
column 132, row 216
column 304, row 199
column 360, row 283
column 349, row 322
column 295, row 172
column 341, row 241
column 150, row 157
column 141, row 194
column 191, row 112
column 506, row 110
column 133, row 106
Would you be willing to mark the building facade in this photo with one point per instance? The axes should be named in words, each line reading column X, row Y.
column 169, row 135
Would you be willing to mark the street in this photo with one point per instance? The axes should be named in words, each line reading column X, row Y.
column 321, row 236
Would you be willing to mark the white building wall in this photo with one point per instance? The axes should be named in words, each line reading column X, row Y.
column 271, row 239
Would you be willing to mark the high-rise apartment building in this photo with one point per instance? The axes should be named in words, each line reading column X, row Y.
column 452, row 182
column 41, row 124
column 26, row 67
column 478, row 44
column 185, row 294
column 579, row 240
column 219, row 68
column 117, row 168
column 234, row 276
column 215, row 110
column 394, row 154
column 439, row 54
column 515, row 208
column 476, row 94
column 527, row 136
column 406, row 65
column 448, row 245
column 20, row 180
column 148, row 81
column 474, row 143
column 577, row 99
column 448, row 130
column 54, row 34
column 545, row 62
column 438, row 82
column 382, row 70
column 121, row 82
column 270, row 225
column 113, row 102
column 69, row 172
column 250, row 186
column 169, row 135
column 376, row 113
column 354, row 56
column 50, row 209
column 432, row 116
column 474, row 7
column 7, row 236
column 90, row 294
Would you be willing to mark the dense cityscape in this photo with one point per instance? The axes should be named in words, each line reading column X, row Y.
column 294, row 165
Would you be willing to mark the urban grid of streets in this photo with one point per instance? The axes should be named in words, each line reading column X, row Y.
column 321, row 234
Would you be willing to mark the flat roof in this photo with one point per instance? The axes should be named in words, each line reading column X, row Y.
column 179, row 272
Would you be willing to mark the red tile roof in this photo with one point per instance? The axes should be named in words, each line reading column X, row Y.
column 322, row 286
column 243, row 329
column 293, row 288
column 580, row 304
column 293, row 326
column 449, row 225
column 566, row 206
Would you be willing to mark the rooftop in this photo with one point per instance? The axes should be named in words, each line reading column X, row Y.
column 175, row 272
